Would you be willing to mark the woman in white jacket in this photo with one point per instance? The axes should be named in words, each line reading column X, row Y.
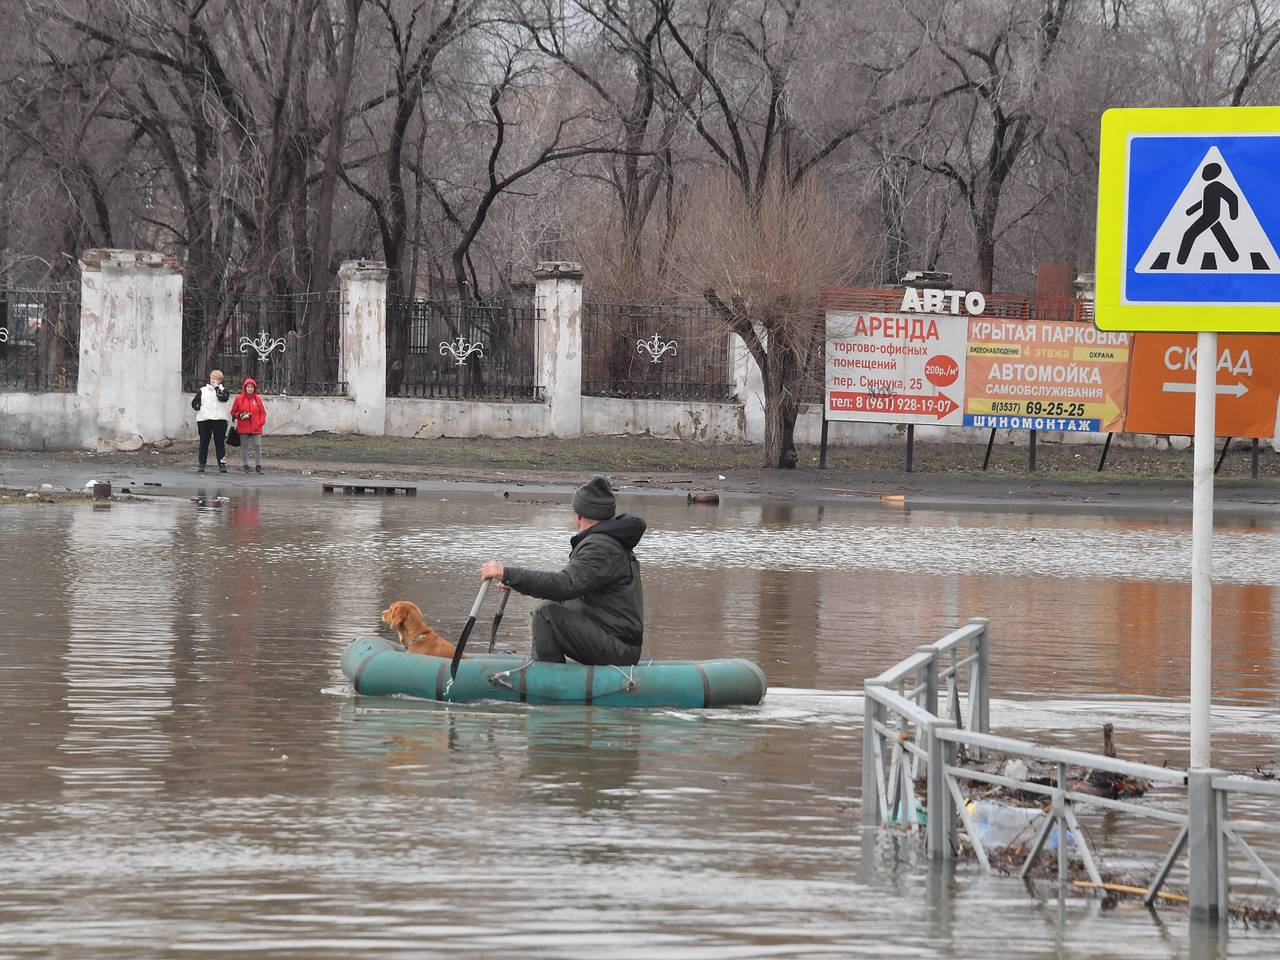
column 213, row 415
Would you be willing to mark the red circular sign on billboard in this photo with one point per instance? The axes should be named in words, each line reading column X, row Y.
column 942, row 371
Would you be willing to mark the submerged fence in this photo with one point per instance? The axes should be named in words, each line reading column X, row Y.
column 40, row 337
column 479, row 350
column 654, row 351
column 288, row 343
column 915, row 729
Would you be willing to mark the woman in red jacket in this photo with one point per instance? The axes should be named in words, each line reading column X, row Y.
column 249, row 413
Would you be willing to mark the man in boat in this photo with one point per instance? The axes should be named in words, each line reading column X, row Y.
column 592, row 611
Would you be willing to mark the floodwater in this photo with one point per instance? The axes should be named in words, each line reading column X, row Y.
column 184, row 772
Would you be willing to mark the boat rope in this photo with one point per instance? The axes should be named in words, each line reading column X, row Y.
column 499, row 679
column 629, row 677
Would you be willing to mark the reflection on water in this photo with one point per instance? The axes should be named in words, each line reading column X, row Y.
column 181, row 762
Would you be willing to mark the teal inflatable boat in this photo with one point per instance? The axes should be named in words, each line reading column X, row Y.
column 377, row 666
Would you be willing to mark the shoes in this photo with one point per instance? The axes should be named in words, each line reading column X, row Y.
column 200, row 469
column 259, row 468
column 246, row 468
column 222, row 468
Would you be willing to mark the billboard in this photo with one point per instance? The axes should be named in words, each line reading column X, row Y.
column 895, row 367
column 898, row 366
column 1038, row 375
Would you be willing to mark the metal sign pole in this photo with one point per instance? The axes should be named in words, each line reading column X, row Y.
column 1202, row 549
column 1168, row 261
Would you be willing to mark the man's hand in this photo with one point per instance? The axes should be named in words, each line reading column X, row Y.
column 492, row 570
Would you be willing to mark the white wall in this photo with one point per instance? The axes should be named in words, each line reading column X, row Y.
column 664, row 419
column 47, row 421
column 503, row 420
column 459, row 418
column 303, row 415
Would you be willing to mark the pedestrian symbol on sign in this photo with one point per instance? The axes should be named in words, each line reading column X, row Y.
column 1210, row 228
column 1210, row 207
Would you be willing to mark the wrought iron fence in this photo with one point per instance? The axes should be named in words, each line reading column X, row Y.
column 288, row 343
column 655, row 351
column 40, row 337
column 451, row 350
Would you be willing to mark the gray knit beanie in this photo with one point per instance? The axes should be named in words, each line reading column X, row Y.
column 594, row 500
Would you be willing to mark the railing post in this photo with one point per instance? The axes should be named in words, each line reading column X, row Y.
column 1223, row 854
column 938, row 798
column 931, row 680
column 983, row 692
column 1204, row 847
column 1058, row 813
column 871, row 770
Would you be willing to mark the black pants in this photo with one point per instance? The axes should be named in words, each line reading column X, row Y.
column 560, row 632
column 217, row 429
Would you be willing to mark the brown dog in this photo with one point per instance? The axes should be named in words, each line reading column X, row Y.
column 405, row 618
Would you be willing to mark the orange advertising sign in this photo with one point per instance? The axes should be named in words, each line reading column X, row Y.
column 1162, row 387
column 1041, row 375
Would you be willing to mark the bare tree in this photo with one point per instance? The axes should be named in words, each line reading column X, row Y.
column 1212, row 52
column 998, row 71
column 761, row 262
column 337, row 131
column 756, row 84
column 613, row 50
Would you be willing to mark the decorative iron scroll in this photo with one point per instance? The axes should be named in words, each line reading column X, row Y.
column 262, row 346
column 463, row 349
column 655, row 347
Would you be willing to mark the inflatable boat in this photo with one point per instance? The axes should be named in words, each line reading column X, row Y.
column 378, row 666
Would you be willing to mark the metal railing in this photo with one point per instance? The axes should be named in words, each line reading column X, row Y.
column 902, row 706
column 40, row 338
column 906, row 736
column 289, row 343
column 655, row 351
column 464, row 351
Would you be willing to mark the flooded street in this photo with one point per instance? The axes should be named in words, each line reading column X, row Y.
column 184, row 772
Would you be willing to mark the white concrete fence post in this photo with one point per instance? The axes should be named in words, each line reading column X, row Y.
column 749, row 387
column 362, row 362
column 130, row 347
column 559, row 350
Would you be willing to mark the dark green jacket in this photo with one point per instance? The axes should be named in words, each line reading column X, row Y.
column 602, row 579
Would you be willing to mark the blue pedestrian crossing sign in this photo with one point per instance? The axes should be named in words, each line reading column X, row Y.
column 1189, row 220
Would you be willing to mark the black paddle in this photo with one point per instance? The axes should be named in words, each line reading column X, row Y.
column 466, row 631
column 497, row 618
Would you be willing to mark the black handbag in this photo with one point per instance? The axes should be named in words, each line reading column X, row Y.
column 233, row 437
column 195, row 401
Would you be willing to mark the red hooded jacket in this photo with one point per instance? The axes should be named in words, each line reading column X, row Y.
column 252, row 405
